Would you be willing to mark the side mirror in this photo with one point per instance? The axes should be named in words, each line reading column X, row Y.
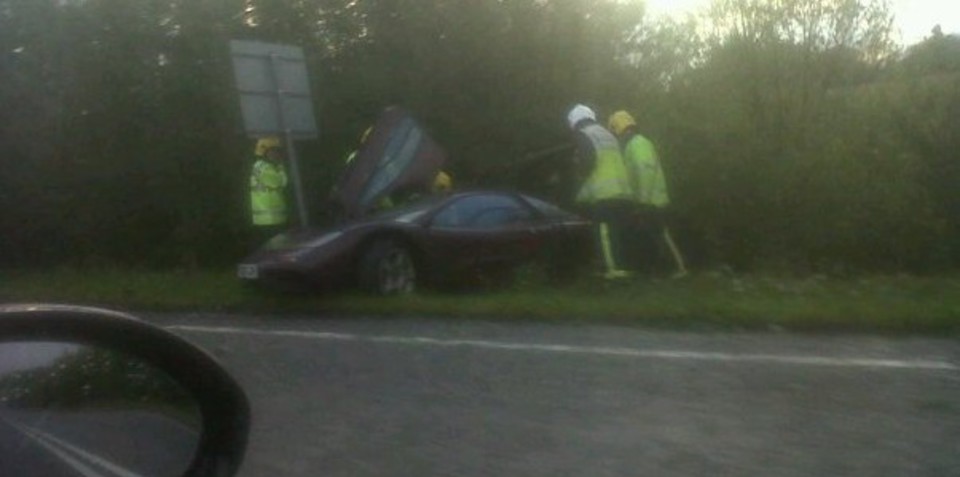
column 91, row 392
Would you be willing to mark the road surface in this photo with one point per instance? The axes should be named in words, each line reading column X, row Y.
column 93, row 444
column 441, row 398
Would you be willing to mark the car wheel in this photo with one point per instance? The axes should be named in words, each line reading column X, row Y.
column 388, row 268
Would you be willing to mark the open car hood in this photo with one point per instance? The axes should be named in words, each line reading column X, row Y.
column 398, row 155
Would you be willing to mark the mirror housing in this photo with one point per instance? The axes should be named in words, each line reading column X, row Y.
column 224, row 409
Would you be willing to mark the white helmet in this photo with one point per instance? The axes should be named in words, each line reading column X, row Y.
column 579, row 113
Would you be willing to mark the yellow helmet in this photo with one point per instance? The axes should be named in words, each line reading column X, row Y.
column 442, row 182
column 266, row 143
column 620, row 121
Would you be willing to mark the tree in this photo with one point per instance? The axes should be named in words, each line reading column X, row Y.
column 778, row 159
column 926, row 86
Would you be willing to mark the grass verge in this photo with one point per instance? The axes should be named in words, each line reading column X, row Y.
column 895, row 304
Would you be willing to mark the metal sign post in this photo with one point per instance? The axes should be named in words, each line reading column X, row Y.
column 297, row 183
column 291, row 147
column 275, row 99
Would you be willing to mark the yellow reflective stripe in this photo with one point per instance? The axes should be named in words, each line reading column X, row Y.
column 607, row 247
column 265, row 189
column 269, row 209
column 675, row 251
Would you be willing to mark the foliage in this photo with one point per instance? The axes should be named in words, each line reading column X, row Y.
column 795, row 134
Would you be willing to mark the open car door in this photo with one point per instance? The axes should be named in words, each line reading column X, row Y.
column 397, row 155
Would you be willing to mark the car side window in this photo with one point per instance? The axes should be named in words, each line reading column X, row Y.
column 482, row 212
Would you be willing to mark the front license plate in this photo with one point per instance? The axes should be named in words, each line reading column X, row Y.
column 248, row 272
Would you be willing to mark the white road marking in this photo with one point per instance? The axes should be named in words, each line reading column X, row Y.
column 74, row 463
column 92, row 458
column 72, row 455
column 682, row 355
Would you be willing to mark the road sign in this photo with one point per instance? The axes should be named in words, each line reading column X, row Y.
column 274, row 89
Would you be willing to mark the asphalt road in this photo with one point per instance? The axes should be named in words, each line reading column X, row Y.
column 439, row 398
column 93, row 444
column 23, row 456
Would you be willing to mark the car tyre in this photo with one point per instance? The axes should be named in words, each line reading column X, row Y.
column 388, row 268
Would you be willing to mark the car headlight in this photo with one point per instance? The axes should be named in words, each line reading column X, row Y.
column 306, row 248
column 294, row 255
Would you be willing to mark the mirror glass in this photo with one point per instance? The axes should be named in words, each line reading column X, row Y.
column 77, row 410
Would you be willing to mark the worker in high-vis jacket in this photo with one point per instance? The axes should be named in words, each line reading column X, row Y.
column 648, row 226
column 605, row 193
column 268, row 188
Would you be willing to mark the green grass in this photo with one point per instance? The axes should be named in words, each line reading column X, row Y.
column 896, row 304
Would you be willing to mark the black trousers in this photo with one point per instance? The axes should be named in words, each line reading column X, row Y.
column 261, row 234
column 643, row 239
column 610, row 218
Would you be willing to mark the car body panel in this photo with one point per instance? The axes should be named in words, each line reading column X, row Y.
column 397, row 155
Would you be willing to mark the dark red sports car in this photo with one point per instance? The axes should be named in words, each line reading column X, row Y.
column 436, row 241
